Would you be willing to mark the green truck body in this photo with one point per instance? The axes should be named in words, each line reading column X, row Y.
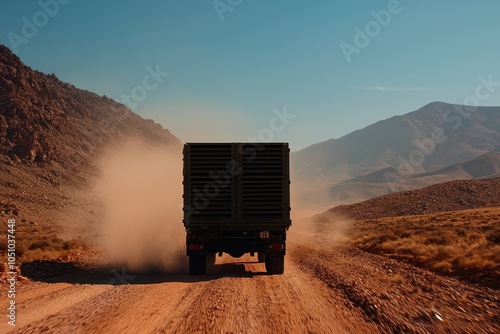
column 236, row 201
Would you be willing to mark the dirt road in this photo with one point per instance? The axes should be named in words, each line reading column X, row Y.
column 323, row 290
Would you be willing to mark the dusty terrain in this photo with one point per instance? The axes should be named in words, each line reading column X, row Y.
column 54, row 138
column 325, row 289
column 462, row 244
column 333, row 281
column 448, row 196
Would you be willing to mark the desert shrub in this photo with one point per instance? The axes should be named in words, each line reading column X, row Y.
column 468, row 248
column 438, row 239
column 43, row 244
column 442, row 267
column 461, row 232
column 75, row 244
column 493, row 236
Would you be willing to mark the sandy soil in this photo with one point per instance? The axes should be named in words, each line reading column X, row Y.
column 324, row 290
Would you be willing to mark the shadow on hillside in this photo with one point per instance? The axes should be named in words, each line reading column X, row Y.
column 68, row 272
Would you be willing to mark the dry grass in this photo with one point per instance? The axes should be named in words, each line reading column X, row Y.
column 459, row 243
column 40, row 243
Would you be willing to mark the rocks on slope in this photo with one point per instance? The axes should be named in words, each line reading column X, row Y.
column 46, row 121
column 448, row 196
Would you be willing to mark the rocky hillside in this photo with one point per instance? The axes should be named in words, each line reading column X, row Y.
column 448, row 196
column 49, row 123
column 52, row 136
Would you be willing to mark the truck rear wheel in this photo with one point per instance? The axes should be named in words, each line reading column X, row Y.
column 211, row 259
column 197, row 265
column 275, row 264
column 262, row 257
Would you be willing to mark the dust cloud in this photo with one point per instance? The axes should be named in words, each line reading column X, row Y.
column 141, row 191
column 310, row 220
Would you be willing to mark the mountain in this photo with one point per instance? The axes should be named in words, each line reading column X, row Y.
column 47, row 123
column 486, row 165
column 446, row 196
column 433, row 137
column 375, row 184
column 52, row 136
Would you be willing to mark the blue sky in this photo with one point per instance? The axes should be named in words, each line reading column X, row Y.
column 232, row 62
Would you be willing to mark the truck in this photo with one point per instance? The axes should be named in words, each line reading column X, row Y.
column 236, row 200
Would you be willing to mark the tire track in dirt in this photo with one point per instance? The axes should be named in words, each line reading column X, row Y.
column 254, row 302
column 48, row 301
column 236, row 296
column 120, row 309
column 324, row 290
column 397, row 296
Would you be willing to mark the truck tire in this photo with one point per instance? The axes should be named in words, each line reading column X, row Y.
column 197, row 265
column 275, row 264
column 262, row 257
column 211, row 259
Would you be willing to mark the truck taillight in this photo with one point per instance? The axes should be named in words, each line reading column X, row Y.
column 195, row 247
column 276, row 246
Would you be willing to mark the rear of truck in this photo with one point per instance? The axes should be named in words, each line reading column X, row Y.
column 236, row 201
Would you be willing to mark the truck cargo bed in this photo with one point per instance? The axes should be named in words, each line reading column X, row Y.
column 236, row 185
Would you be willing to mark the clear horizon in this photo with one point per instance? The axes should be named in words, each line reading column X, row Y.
column 288, row 71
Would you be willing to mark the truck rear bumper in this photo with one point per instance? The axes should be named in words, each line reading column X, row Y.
column 236, row 246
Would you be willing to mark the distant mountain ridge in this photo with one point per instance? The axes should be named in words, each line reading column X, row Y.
column 486, row 165
column 433, row 137
column 437, row 143
column 375, row 184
